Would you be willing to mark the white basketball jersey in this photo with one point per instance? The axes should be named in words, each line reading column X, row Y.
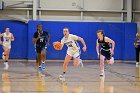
column 71, row 42
column 7, row 39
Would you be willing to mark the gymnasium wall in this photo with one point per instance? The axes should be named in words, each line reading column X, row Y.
column 65, row 10
column 19, row 46
column 122, row 33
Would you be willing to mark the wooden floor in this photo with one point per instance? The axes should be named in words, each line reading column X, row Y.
column 22, row 77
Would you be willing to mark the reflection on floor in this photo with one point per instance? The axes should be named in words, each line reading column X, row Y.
column 22, row 77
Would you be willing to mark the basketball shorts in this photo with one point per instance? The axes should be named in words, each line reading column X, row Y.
column 74, row 53
column 106, row 54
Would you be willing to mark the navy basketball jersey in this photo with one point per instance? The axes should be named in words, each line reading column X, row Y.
column 42, row 41
column 104, row 45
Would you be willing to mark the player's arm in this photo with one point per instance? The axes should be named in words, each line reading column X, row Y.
column 97, row 47
column 1, row 35
column 49, row 37
column 35, row 38
column 112, row 43
column 83, row 42
column 12, row 38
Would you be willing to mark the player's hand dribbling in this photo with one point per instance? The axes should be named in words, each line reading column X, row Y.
column 84, row 48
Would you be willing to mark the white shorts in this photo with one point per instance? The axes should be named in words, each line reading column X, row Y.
column 74, row 53
column 7, row 45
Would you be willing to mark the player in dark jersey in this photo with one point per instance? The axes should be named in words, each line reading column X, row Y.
column 137, row 46
column 107, row 49
column 40, row 39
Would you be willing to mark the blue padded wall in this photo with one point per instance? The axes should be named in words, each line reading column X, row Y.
column 22, row 48
column 122, row 33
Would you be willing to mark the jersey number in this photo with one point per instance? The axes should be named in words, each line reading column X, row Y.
column 41, row 39
column 70, row 45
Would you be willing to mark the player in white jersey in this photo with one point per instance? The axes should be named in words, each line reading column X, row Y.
column 73, row 49
column 7, row 38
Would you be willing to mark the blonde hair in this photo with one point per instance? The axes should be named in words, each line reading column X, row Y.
column 66, row 28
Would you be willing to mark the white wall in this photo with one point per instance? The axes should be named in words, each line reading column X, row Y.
column 102, row 4
column 72, row 10
column 59, row 4
column 136, row 4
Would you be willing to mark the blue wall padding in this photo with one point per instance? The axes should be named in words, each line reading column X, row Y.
column 122, row 33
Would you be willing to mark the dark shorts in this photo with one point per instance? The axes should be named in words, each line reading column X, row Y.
column 106, row 54
column 40, row 48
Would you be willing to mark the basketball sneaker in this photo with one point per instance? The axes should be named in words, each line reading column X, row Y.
column 112, row 60
column 81, row 63
column 102, row 74
column 137, row 64
column 43, row 66
column 39, row 70
column 62, row 77
column 6, row 66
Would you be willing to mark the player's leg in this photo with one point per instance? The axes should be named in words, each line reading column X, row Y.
column 102, row 58
column 6, row 56
column 43, row 58
column 38, row 52
column 36, row 57
column 110, row 59
column 36, row 62
column 4, row 53
column 137, row 55
column 65, row 65
column 77, row 60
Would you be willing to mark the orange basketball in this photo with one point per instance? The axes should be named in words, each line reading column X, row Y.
column 57, row 45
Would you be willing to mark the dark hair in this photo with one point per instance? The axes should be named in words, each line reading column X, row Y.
column 102, row 32
column 39, row 25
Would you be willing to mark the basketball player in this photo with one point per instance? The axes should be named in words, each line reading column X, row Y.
column 106, row 51
column 137, row 46
column 73, row 50
column 40, row 39
column 7, row 38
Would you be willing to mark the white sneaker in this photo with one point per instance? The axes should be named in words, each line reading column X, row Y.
column 3, row 56
column 62, row 77
column 81, row 63
column 112, row 60
column 6, row 66
column 137, row 64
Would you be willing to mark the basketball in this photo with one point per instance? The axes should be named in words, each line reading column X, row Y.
column 57, row 45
